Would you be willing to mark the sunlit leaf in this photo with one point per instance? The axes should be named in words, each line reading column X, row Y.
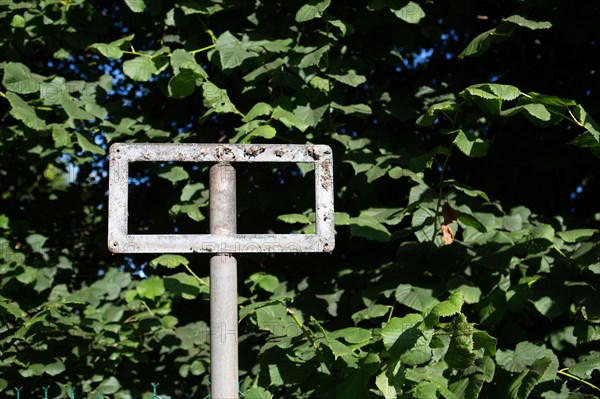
column 140, row 68
column 313, row 9
column 411, row 13
column 232, row 52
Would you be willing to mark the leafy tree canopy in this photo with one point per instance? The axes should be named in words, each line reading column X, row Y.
column 466, row 177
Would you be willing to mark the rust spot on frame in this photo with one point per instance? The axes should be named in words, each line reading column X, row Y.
column 253, row 151
column 326, row 177
column 314, row 153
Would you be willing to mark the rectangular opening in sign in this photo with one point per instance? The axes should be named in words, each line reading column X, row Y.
column 124, row 238
column 173, row 198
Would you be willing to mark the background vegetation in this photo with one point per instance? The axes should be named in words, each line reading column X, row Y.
column 466, row 174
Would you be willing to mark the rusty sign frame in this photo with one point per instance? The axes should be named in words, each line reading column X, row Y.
column 121, row 154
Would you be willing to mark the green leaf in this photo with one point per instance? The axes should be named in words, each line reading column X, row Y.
column 55, row 368
column 257, row 393
column 543, row 231
column 352, row 335
column 577, row 235
column 12, row 308
column 390, row 381
column 108, row 50
column 321, row 84
column 527, row 23
column 353, row 109
column 341, row 25
column 198, row 71
column 523, row 356
column 430, row 116
column 18, row 79
column 479, row 45
column 253, row 307
column 232, row 52
column 275, row 46
column 169, row 261
column 313, row 58
column 275, row 320
column 109, row 386
column 461, row 352
column 313, row 9
column 259, row 109
column 175, row 174
column 191, row 210
column 190, row 190
column 151, row 288
column 341, row 219
column 485, row 341
column 123, row 40
column 190, row 7
column 370, row 228
column 411, row 13
column 592, row 135
column 264, row 131
column 294, row 218
column 512, row 222
column 416, row 298
column 139, row 68
column 586, row 366
column 268, row 282
column 425, row 390
column 180, row 57
column 169, row 322
column 182, row 84
column 505, row 92
column 350, row 78
column 586, row 332
column 189, row 287
column 17, row 21
column 372, row 312
column 401, row 334
column 216, row 98
column 73, row 108
column 4, row 222
column 311, row 116
column 466, row 189
column 552, row 101
column 135, row 6
column 522, row 386
column 535, row 111
column 22, row 111
column 482, row 42
column 32, row 370
column 486, row 100
column 87, row 145
column 470, row 387
column 421, row 351
column 470, row 145
column 375, row 172
column 450, row 306
column 289, row 119
column 471, row 221
column 470, row 291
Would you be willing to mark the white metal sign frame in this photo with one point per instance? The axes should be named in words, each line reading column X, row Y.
column 121, row 154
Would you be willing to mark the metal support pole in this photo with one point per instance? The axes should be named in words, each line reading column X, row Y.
column 223, row 287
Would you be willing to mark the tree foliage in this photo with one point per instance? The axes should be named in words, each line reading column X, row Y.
column 466, row 168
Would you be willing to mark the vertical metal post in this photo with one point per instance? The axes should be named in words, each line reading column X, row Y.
column 223, row 287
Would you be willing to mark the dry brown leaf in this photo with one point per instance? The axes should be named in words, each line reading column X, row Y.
column 449, row 216
column 447, row 234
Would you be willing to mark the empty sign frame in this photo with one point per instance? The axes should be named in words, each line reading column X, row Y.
column 121, row 154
